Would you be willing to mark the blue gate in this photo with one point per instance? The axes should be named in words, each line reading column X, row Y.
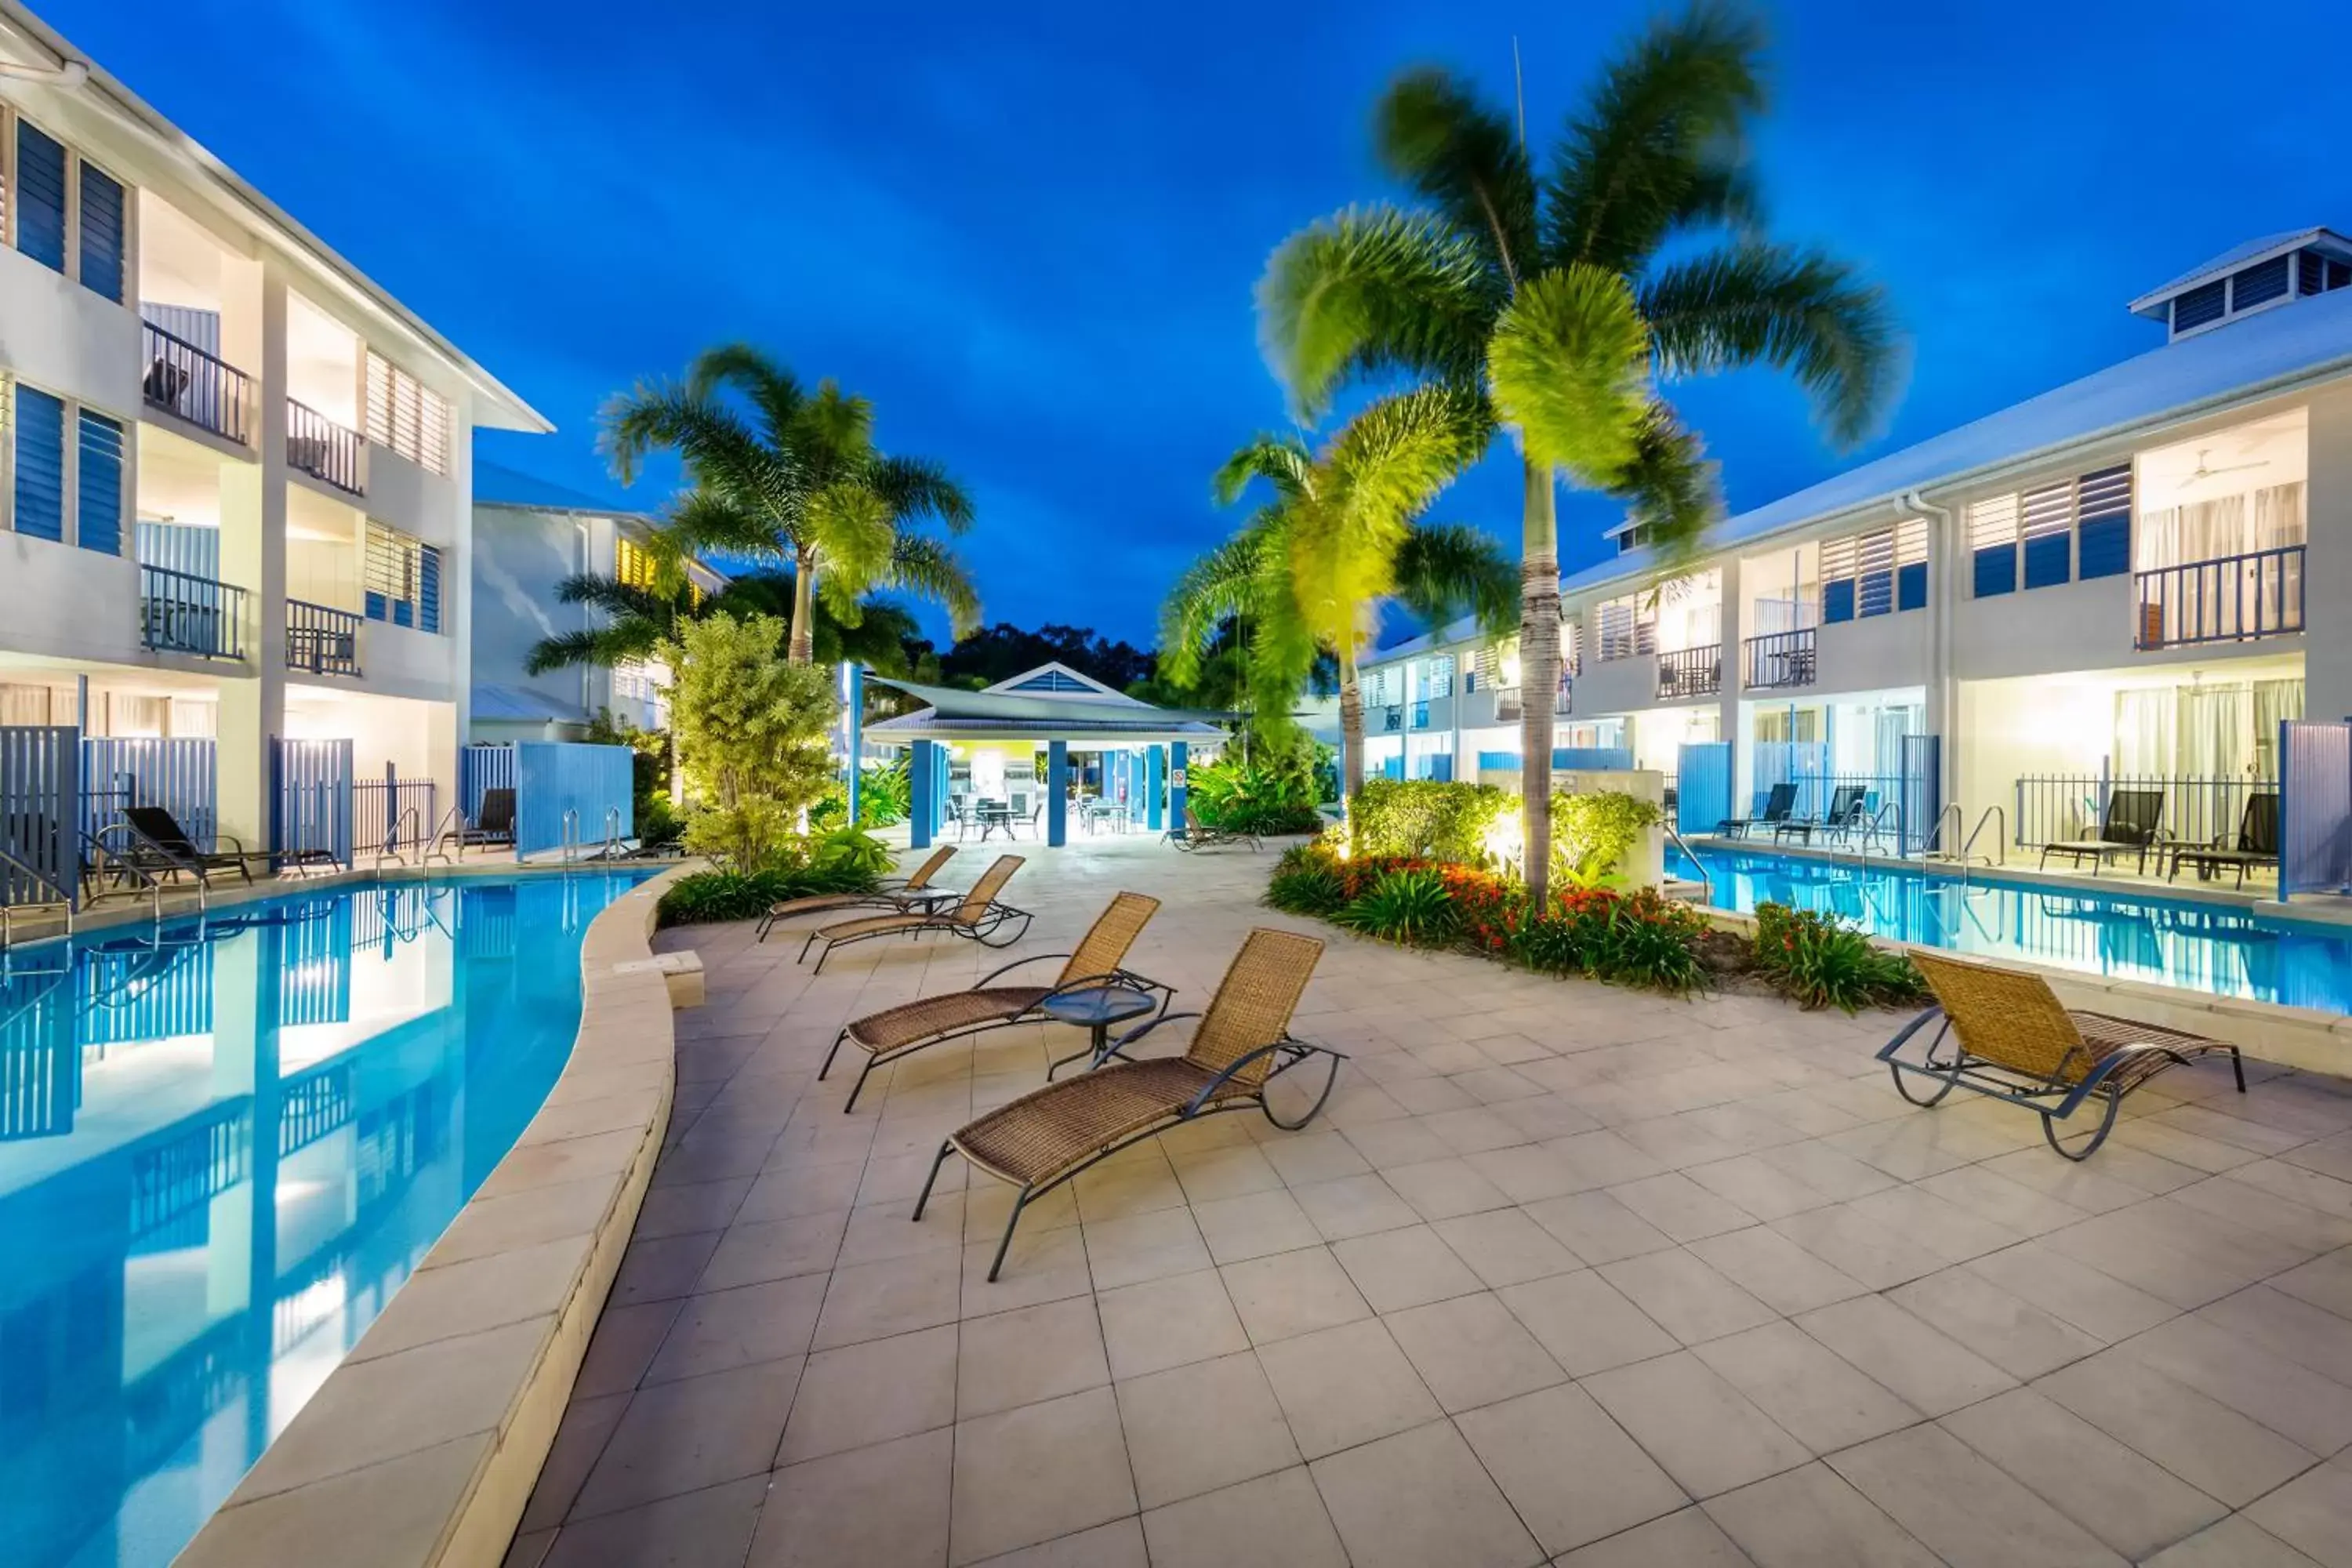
column 1703, row 785
column 1804, row 763
column 310, row 800
column 178, row 775
column 40, row 809
column 482, row 768
column 563, row 789
column 2315, row 807
column 1920, row 792
column 1594, row 759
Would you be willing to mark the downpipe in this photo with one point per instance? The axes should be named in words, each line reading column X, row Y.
column 1941, row 590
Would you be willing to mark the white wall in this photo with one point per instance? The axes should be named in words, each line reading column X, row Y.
column 63, row 339
column 60, row 601
column 519, row 557
column 2327, row 560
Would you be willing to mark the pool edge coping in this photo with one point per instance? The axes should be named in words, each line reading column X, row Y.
column 424, row 1443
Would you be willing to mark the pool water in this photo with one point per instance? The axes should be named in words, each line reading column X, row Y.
column 221, row 1153
column 2169, row 942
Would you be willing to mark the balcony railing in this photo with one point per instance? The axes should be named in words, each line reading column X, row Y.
column 1565, row 700
column 1690, row 672
column 1421, row 714
column 320, row 641
column 1780, row 660
column 201, row 388
column 323, row 450
column 2234, row 599
column 1392, row 719
column 182, row 613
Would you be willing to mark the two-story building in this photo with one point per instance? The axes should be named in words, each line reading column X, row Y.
column 235, row 483
column 529, row 536
column 2126, row 577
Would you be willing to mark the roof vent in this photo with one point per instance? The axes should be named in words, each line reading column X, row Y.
column 2256, row 276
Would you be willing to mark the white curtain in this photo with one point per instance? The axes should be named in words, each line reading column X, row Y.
column 2144, row 732
column 2275, row 701
column 2267, row 518
column 2278, row 516
column 2216, row 734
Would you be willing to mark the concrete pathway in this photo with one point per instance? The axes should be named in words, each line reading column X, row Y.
column 1565, row 1274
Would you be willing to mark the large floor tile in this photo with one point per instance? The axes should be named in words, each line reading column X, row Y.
column 1701, row 1430
column 1275, row 1522
column 1420, row 1498
column 871, row 1393
column 1682, row 1295
column 683, row 1437
column 879, row 1507
column 1923, row 1365
column 2206, row 1444
column 1583, row 1320
column 1342, row 1386
column 706, row 1529
column 1168, row 1323
column 1471, row 1351
column 1036, row 1472
column 1293, row 1293
column 1819, row 1400
column 1962, row 1508
column 1568, row 1468
column 2132, row 1504
column 1194, row 1429
column 1811, row 1518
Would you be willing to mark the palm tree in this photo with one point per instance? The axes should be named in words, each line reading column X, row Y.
column 1544, row 288
column 1342, row 532
column 786, row 475
column 639, row 619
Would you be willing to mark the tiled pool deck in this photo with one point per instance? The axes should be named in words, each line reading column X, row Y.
column 1564, row 1274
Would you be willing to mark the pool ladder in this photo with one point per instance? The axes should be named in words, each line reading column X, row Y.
column 1871, row 831
column 1951, row 818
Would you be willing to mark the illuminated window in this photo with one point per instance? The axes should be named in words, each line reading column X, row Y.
column 406, row 416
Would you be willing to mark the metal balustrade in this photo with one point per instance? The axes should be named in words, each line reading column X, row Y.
column 1778, row 660
column 321, row 641
column 325, row 450
column 197, row 385
column 182, row 613
column 2233, row 599
column 1690, row 672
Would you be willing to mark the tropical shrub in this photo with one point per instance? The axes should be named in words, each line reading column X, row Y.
column 849, row 851
column 1252, row 796
column 736, row 895
column 884, row 799
column 753, row 835
column 1426, row 819
column 750, row 726
column 1408, row 905
column 1592, row 832
column 1307, row 881
column 1821, row 962
column 1651, row 942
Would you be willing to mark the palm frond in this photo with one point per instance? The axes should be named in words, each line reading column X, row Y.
column 1794, row 310
column 704, row 521
column 716, row 447
column 757, row 376
column 1662, row 144
column 1282, row 460
column 850, row 526
column 604, row 646
column 1222, row 583
column 1449, row 569
column 620, row 600
column 1569, row 363
column 930, row 570
column 1431, row 133
column 1671, row 489
column 920, row 490
column 1372, row 290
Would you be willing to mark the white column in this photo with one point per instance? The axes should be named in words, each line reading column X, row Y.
column 253, row 557
column 2327, row 559
column 1735, row 671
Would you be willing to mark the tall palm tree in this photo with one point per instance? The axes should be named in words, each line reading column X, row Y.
column 639, row 619
column 1342, row 532
column 1544, row 287
column 783, row 474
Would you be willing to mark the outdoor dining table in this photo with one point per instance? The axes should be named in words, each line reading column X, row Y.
column 991, row 814
column 1092, row 810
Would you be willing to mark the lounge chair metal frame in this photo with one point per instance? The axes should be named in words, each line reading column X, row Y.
column 173, row 852
column 1778, row 804
column 977, row 916
column 2088, row 1056
column 1196, row 834
column 1237, row 1084
column 2129, row 837
column 910, row 891
column 1847, row 808
column 1025, row 1005
column 2259, row 822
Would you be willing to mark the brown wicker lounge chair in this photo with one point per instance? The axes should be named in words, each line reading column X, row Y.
column 2011, row 1040
column 914, row 892
column 1241, row 1045
column 928, row 1021
column 977, row 916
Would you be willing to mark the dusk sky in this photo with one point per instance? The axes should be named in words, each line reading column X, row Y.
column 1030, row 233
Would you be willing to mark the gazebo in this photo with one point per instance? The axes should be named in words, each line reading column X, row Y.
column 980, row 745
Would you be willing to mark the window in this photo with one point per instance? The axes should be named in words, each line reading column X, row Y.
column 97, row 485
column 405, row 416
column 402, row 577
column 101, row 233
column 1874, row 573
column 1433, row 677
column 2259, row 284
column 40, row 453
column 2045, row 525
column 2199, row 307
column 40, row 195
column 632, row 566
column 2030, row 539
column 2102, row 507
column 1625, row 628
column 45, row 220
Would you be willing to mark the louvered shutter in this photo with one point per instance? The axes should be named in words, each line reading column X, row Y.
column 1911, row 564
column 97, row 486
column 1875, row 573
column 2047, row 524
column 1837, row 580
column 2259, row 284
column 405, row 416
column 1992, row 538
column 40, row 195
column 40, row 463
column 103, row 247
column 2199, row 306
column 2103, row 525
column 429, row 588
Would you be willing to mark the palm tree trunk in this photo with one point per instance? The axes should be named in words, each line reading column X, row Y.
column 1351, row 733
column 801, row 646
column 1538, row 673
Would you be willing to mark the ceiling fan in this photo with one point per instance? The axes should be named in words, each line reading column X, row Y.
column 2205, row 472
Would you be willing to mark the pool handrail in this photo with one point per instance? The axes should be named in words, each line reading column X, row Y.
column 40, row 879
column 1689, row 853
column 2000, row 843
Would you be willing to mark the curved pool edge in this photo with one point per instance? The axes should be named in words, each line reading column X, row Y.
column 422, row 1447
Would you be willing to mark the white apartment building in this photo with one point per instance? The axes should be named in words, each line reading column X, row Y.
column 235, row 483
column 2126, row 577
column 529, row 536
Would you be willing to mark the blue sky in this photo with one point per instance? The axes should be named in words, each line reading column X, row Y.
column 1030, row 235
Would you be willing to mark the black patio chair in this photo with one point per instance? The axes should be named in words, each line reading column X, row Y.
column 494, row 824
column 160, row 844
column 1778, row 804
column 2133, row 826
column 2257, row 842
column 1845, row 808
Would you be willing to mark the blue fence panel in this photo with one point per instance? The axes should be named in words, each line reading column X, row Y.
column 1593, row 759
column 561, row 785
column 311, row 803
column 480, row 769
column 1920, row 792
column 1805, row 763
column 2315, row 807
column 1498, row 761
column 180, row 775
column 40, row 807
column 1703, row 786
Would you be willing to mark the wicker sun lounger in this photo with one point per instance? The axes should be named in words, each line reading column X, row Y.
column 1196, row 834
column 2003, row 1034
column 913, row 892
column 928, row 1021
column 977, row 916
column 1241, row 1045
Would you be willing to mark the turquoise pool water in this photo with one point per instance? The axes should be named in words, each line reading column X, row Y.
column 2167, row 942
column 221, row 1153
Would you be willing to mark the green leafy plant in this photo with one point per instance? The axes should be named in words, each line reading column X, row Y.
column 1426, row 819
column 754, row 834
column 1592, row 832
column 848, row 850
column 883, row 799
column 734, row 895
column 749, row 725
column 1820, row 961
column 1411, row 905
column 1307, row 881
column 1650, row 941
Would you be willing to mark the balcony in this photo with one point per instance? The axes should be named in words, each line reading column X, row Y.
column 198, row 387
column 2235, row 599
column 1391, row 720
column 1779, row 661
column 317, row 446
column 321, row 641
column 1690, row 672
column 1421, row 714
column 182, row 613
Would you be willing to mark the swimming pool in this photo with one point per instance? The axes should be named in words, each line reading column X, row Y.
column 220, row 1154
column 2212, row 948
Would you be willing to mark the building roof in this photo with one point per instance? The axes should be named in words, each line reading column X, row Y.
column 2231, row 260
column 1004, row 711
column 495, row 484
column 498, row 405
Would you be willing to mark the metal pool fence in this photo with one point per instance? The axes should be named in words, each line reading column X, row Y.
column 2054, row 807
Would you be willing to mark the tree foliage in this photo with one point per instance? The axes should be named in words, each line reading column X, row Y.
column 750, row 726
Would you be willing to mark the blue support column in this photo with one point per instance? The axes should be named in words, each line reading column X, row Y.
column 1176, row 787
column 853, row 704
column 923, row 795
column 1057, row 793
column 1153, row 760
